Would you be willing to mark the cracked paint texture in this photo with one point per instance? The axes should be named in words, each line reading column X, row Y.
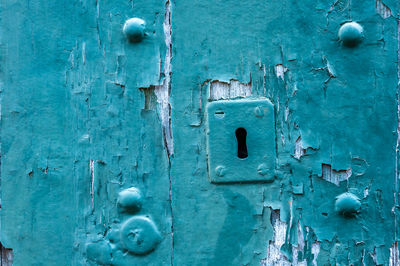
column 86, row 114
column 340, row 102
column 74, row 129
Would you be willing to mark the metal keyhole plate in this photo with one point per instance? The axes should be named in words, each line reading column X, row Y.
column 226, row 162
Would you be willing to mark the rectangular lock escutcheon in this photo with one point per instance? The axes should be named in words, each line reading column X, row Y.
column 241, row 141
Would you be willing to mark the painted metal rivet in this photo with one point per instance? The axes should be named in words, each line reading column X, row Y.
column 139, row 235
column 113, row 236
column 262, row 169
column 347, row 204
column 351, row 34
column 220, row 170
column 130, row 200
column 258, row 111
column 266, row 172
column 99, row 252
column 134, row 29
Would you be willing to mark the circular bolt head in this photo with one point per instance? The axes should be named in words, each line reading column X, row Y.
column 266, row 172
column 113, row 236
column 351, row 34
column 347, row 204
column 130, row 200
column 258, row 111
column 220, row 171
column 139, row 235
column 262, row 169
column 99, row 252
column 134, row 29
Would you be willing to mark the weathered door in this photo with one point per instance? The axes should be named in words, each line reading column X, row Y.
column 200, row 133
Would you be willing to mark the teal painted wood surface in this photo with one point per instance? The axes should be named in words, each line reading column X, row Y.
column 104, row 132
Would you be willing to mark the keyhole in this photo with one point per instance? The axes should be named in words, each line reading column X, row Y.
column 241, row 134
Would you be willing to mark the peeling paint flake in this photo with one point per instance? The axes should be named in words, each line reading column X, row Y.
column 92, row 180
column 6, row 256
column 229, row 90
column 275, row 256
column 280, row 71
column 335, row 176
column 315, row 249
column 382, row 9
column 163, row 92
column 299, row 151
column 394, row 255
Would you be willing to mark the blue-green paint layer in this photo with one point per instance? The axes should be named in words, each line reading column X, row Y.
column 75, row 132
column 336, row 122
column 104, row 153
